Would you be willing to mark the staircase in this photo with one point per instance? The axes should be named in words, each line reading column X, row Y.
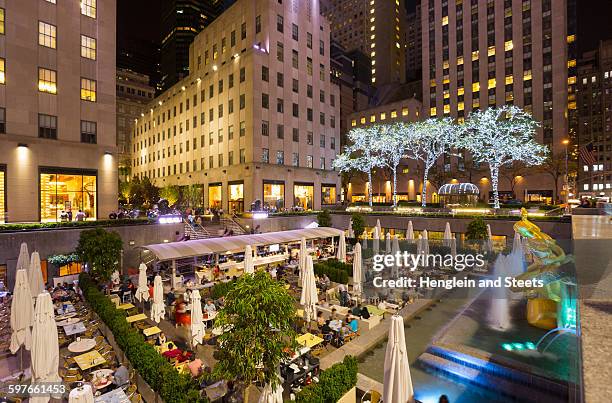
column 213, row 229
column 233, row 225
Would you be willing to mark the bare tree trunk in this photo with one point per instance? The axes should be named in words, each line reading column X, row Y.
column 424, row 192
column 395, row 186
column 370, row 187
column 494, row 182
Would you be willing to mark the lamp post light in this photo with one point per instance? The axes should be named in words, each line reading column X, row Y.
column 566, row 178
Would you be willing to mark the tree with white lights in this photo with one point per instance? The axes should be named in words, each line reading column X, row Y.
column 362, row 154
column 427, row 141
column 501, row 136
column 392, row 148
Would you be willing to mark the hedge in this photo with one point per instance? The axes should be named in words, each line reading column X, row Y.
column 333, row 383
column 73, row 224
column 334, row 271
column 159, row 374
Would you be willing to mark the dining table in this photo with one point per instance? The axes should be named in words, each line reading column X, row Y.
column 125, row 307
column 89, row 360
column 65, row 316
column 69, row 321
column 151, row 331
column 75, row 328
column 82, row 394
column 114, row 396
column 81, row 346
column 136, row 318
column 308, row 340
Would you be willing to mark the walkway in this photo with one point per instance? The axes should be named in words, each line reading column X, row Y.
column 592, row 235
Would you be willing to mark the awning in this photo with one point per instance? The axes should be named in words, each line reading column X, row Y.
column 234, row 244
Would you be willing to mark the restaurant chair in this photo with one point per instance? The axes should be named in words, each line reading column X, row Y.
column 130, row 390
column 99, row 340
column 371, row 396
column 136, row 398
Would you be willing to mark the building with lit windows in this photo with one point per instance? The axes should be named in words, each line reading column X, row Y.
column 481, row 53
column 595, row 120
column 376, row 28
column 257, row 118
column 133, row 96
column 57, row 109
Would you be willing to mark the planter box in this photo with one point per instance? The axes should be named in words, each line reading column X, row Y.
column 349, row 397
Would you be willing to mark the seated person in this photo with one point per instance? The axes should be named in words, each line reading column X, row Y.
column 210, row 308
column 121, row 376
column 181, row 316
column 352, row 323
column 357, row 310
column 320, row 319
column 325, row 329
column 161, row 339
column 324, row 303
column 195, row 367
column 173, row 352
column 365, row 313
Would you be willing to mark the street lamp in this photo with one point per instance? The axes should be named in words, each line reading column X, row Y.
column 566, row 144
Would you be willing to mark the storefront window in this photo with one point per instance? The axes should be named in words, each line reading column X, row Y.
column 63, row 195
column 274, row 195
column 304, row 196
column 236, row 197
column 2, row 196
column 214, row 196
column 328, row 194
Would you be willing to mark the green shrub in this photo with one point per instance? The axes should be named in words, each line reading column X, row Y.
column 476, row 230
column 73, row 224
column 336, row 275
column 324, row 218
column 358, row 224
column 333, row 383
column 221, row 289
column 159, row 374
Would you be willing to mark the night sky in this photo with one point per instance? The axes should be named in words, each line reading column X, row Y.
column 593, row 23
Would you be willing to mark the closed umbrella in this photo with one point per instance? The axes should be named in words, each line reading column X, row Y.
column 249, row 268
column 142, row 292
column 302, row 260
column 364, row 242
column 37, row 284
column 309, row 297
column 45, row 347
column 23, row 261
column 342, row 248
column 388, row 242
column 376, row 241
column 488, row 246
column 446, row 241
column 397, row 386
column 351, row 232
column 269, row 395
column 425, row 242
column 357, row 275
column 395, row 250
column 22, row 313
column 197, row 324
column 158, row 309
column 410, row 232
column 379, row 227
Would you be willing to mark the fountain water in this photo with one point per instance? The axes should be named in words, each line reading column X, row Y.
column 499, row 312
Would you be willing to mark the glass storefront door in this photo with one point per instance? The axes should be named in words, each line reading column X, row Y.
column 274, row 195
column 236, row 197
column 64, row 195
column 303, row 194
column 214, row 196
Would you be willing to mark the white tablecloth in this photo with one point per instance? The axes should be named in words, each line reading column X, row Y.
column 81, row 346
column 82, row 394
column 114, row 396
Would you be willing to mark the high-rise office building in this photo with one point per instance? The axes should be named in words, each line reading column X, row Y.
column 257, row 118
column 481, row 53
column 413, row 44
column 181, row 21
column 594, row 98
column 57, row 110
column 376, row 28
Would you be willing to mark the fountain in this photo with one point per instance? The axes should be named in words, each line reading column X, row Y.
column 499, row 312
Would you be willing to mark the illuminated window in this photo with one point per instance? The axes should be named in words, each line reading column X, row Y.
column 571, row 38
column 404, row 111
column 445, row 20
column 509, row 80
column 393, row 114
column 475, row 55
column 328, row 194
column 1, row 21
column 47, row 80
column 274, row 194
column 2, row 67
column 460, row 106
column 67, row 191
column 491, row 83
column 88, row 47
column 303, row 195
column 88, row 90
column 460, row 60
column 432, row 111
column 353, row 122
column 383, row 115
column 460, row 91
column 527, row 75
column 88, row 8
column 475, row 87
column 491, row 51
column 47, row 34
column 362, row 120
column 214, row 195
column 508, row 45
column 446, row 108
column 571, row 63
column 236, row 197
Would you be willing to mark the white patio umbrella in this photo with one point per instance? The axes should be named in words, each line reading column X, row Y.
column 142, row 292
column 425, row 242
column 517, row 244
column 271, row 396
column 395, row 249
column 388, row 242
column 22, row 313
column 309, row 297
column 379, row 227
column 302, row 260
column 357, row 275
column 249, row 268
column 23, row 261
column 115, row 277
column 351, row 232
column 488, row 246
column 158, row 309
column 37, row 284
column 197, row 324
column 448, row 235
column 410, row 232
column 342, row 248
column 376, row 241
column 397, row 386
column 364, row 242
column 45, row 348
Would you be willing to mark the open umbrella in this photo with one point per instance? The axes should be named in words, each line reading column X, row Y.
column 37, row 284
column 309, row 297
column 45, row 348
column 142, row 292
column 357, row 276
column 376, row 241
column 342, row 248
column 158, row 309
column 271, row 396
column 397, row 386
column 410, row 232
column 302, row 260
column 23, row 261
column 248, row 260
column 197, row 324
column 22, row 313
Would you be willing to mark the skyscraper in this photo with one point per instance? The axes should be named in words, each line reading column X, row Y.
column 376, row 28
column 181, row 21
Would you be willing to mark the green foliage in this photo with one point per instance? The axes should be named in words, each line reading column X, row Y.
column 159, row 374
column 150, row 192
column 73, row 224
column 192, row 195
column 333, row 383
column 260, row 312
column 476, row 229
column 170, row 193
column 324, row 218
column 63, row 260
column 101, row 250
column 358, row 224
column 221, row 289
column 337, row 271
